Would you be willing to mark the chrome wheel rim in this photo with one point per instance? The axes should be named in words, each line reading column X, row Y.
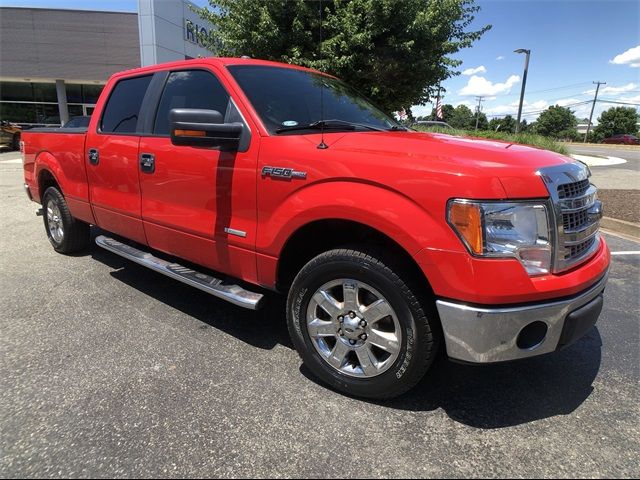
column 354, row 328
column 54, row 221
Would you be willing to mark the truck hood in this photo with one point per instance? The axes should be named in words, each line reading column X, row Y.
column 514, row 166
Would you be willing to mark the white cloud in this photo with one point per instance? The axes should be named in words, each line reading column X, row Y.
column 632, row 99
column 512, row 108
column 480, row 86
column 630, row 57
column 499, row 57
column 421, row 110
column 567, row 101
column 473, row 71
column 614, row 90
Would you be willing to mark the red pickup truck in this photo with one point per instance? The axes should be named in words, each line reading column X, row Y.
column 238, row 176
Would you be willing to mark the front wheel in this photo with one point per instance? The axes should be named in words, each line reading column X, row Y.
column 66, row 234
column 359, row 326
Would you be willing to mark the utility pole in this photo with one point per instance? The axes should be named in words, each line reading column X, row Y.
column 595, row 99
column 478, row 110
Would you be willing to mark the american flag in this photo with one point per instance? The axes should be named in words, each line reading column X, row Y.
column 439, row 115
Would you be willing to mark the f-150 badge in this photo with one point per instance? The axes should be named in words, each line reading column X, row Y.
column 285, row 173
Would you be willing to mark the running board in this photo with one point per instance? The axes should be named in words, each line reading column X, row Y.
column 211, row 285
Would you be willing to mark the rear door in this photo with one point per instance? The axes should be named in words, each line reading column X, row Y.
column 112, row 159
column 200, row 203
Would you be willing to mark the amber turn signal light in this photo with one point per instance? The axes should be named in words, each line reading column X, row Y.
column 189, row 133
column 466, row 218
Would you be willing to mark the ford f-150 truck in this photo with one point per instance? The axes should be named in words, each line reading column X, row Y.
column 239, row 176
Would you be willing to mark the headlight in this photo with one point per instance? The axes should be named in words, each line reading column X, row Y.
column 504, row 229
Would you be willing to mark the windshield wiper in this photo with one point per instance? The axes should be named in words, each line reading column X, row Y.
column 329, row 125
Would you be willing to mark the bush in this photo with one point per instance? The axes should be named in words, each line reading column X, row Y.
column 523, row 138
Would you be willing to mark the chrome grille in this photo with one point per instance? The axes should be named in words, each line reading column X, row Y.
column 579, row 250
column 570, row 190
column 577, row 214
column 575, row 220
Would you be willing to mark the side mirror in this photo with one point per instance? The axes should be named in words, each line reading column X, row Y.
column 203, row 128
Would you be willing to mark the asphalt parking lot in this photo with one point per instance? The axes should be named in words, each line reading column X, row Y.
column 109, row 369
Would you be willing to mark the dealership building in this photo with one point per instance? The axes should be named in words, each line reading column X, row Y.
column 54, row 63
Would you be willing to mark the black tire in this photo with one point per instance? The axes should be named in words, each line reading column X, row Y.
column 75, row 234
column 419, row 338
column 15, row 142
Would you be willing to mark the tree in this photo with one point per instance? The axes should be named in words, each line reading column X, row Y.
column 616, row 120
column 395, row 52
column 447, row 113
column 557, row 122
column 462, row 117
column 483, row 123
column 505, row 124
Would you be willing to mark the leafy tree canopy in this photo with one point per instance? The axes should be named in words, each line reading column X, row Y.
column 483, row 123
column 462, row 117
column 395, row 52
column 557, row 122
column 505, row 124
column 617, row 120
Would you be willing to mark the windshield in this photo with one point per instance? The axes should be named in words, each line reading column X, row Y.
column 286, row 97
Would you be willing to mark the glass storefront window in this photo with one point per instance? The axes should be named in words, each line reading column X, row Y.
column 75, row 111
column 44, row 92
column 90, row 93
column 74, row 93
column 42, row 106
column 16, row 91
column 30, row 113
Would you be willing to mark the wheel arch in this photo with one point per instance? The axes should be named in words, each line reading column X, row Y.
column 319, row 236
column 48, row 174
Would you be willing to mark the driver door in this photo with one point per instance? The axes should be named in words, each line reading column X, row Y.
column 193, row 197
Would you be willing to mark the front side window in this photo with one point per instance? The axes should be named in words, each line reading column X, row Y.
column 123, row 107
column 190, row 89
column 289, row 98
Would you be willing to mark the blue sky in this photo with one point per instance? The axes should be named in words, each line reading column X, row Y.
column 573, row 43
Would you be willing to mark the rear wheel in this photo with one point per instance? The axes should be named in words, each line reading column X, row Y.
column 359, row 326
column 66, row 234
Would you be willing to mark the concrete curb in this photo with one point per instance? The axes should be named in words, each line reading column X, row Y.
column 603, row 145
column 621, row 226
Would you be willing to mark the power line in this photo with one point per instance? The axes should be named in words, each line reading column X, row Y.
column 535, row 112
column 544, row 90
column 618, row 102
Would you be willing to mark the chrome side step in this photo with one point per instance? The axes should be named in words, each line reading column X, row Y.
column 213, row 286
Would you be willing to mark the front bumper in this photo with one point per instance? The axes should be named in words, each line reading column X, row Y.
column 486, row 335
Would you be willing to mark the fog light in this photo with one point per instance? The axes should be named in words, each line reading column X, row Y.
column 532, row 335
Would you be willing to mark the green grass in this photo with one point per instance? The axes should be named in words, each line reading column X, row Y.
column 523, row 138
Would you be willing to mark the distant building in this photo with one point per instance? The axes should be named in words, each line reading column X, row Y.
column 55, row 62
column 583, row 124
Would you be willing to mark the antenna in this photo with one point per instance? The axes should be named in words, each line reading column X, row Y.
column 321, row 145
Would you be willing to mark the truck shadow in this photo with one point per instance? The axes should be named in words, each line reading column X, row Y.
column 262, row 329
column 508, row 394
column 486, row 397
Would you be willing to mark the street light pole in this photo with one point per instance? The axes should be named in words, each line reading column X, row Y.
column 524, row 83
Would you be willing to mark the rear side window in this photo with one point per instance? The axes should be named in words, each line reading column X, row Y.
column 123, row 107
column 190, row 89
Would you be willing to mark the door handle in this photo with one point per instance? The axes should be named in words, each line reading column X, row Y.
column 94, row 156
column 147, row 163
